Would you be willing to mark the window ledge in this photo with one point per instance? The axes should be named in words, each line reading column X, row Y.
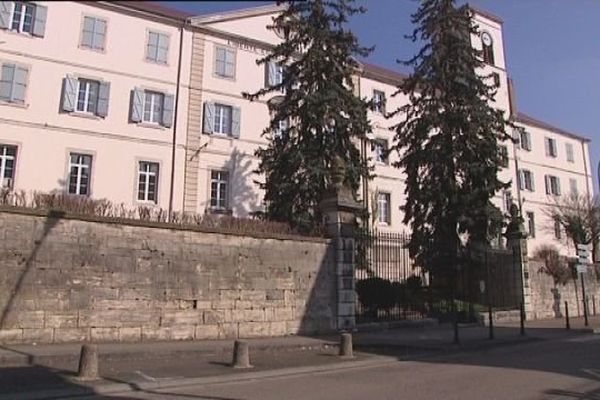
column 151, row 125
column 220, row 211
column 86, row 48
column 82, row 114
column 13, row 104
column 223, row 136
column 154, row 62
column 21, row 34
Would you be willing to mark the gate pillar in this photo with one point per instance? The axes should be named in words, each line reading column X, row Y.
column 339, row 210
column 516, row 238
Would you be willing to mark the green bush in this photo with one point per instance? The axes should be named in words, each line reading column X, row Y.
column 375, row 294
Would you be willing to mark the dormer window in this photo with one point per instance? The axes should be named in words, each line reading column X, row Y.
column 487, row 48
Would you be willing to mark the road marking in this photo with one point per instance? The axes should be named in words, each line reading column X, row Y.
column 586, row 338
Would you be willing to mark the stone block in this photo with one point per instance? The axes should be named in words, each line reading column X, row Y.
column 130, row 334
column 24, row 319
column 244, row 305
column 212, row 317
column 274, row 294
column 228, row 331
column 105, row 334
column 254, row 329
column 278, row 329
column 104, row 293
column 293, row 327
column 11, row 335
column 248, row 315
column 61, row 319
column 206, row 332
column 223, row 304
column 289, row 297
column 181, row 317
column 118, row 318
column 120, row 304
column 64, row 335
column 284, row 314
column 168, row 333
column 136, row 294
column 229, row 295
column 253, row 295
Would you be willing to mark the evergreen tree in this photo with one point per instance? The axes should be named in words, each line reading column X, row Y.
column 447, row 139
column 316, row 101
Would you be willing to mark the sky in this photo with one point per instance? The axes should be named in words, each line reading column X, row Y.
column 552, row 52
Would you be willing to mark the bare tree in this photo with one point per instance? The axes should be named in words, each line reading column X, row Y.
column 579, row 216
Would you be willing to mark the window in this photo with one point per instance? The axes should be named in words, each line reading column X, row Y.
column 550, row 147
column 570, row 155
column 158, row 47
column 147, row 181
column 221, row 119
column 496, row 77
column 557, row 229
column 153, row 107
column 487, row 48
column 531, row 223
column 8, row 156
column 94, row 33
column 552, row 185
column 282, row 127
column 222, row 122
column 379, row 101
column 507, row 200
column 273, row 74
column 383, row 208
column 525, row 140
column 526, row 180
column 23, row 17
column 573, row 186
column 13, row 83
column 87, row 95
column 225, row 62
column 218, row 189
column 380, row 149
column 80, row 166
column 503, row 156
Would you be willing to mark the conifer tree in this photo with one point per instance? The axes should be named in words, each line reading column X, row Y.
column 318, row 116
column 448, row 139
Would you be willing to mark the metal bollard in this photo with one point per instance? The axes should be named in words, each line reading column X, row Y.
column 522, row 317
column 88, row 362
column 491, row 319
column 346, row 350
column 241, row 355
column 568, row 324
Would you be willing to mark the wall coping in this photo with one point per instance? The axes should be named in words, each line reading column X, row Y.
column 59, row 214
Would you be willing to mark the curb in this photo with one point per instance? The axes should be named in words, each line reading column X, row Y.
column 120, row 388
column 24, row 360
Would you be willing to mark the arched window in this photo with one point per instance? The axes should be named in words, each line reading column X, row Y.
column 488, row 48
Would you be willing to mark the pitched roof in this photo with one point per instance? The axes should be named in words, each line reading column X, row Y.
column 153, row 7
column 529, row 120
column 382, row 74
column 237, row 14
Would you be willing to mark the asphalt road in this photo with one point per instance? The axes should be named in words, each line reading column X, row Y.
column 567, row 368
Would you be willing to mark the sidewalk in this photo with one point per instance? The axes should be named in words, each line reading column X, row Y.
column 35, row 372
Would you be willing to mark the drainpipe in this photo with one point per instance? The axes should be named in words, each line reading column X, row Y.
column 587, row 183
column 175, row 118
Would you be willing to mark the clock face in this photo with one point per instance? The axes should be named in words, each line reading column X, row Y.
column 486, row 38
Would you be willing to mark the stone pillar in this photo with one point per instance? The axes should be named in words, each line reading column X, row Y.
column 339, row 210
column 516, row 237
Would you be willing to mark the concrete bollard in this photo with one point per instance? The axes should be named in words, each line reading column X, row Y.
column 346, row 350
column 88, row 362
column 241, row 355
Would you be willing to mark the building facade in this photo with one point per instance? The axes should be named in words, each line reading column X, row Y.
column 160, row 119
column 88, row 99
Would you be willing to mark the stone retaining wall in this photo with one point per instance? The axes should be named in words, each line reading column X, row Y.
column 70, row 280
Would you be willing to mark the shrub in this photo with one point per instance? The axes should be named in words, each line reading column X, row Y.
column 375, row 294
column 555, row 265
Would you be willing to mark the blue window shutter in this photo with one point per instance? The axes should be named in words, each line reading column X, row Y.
column 6, row 85
column 39, row 20
column 236, row 116
column 137, row 105
column 167, row 117
column 20, row 84
column 99, row 34
column 558, row 186
column 521, row 180
column 5, row 11
column 208, row 118
column 532, row 182
column 103, row 96
column 69, row 99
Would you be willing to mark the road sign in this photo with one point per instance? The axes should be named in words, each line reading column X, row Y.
column 583, row 253
column 582, row 268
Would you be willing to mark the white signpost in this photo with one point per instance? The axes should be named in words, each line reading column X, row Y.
column 583, row 260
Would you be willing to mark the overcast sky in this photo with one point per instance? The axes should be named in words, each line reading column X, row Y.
column 552, row 52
